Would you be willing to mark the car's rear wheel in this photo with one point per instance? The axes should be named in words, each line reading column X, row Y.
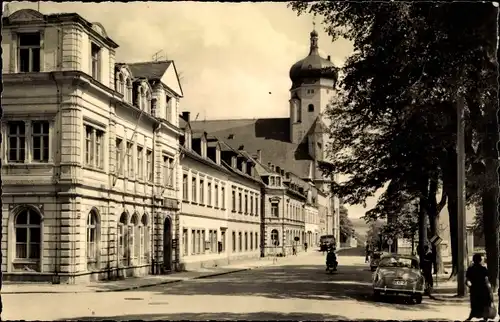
column 376, row 295
column 417, row 299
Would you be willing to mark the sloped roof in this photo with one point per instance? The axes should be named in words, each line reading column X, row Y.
column 270, row 136
column 182, row 123
column 150, row 70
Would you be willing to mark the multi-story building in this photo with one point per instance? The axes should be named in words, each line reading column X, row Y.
column 221, row 193
column 295, row 143
column 89, row 163
column 289, row 208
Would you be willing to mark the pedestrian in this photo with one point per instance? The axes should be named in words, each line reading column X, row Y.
column 427, row 264
column 305, row 247
column 367, row 252
column 294, row 251
column 481, row 294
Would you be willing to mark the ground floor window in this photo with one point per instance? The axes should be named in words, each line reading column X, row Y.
column 251, row 241
column 240, row 242
column 257, row 240
column 185, row 246
column 193, row 241
column 27, row 225
column 246, row 241
column 274, row 237
column 223, row 240
column 233, row 241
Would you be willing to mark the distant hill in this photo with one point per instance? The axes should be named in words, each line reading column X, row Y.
column 360, row 226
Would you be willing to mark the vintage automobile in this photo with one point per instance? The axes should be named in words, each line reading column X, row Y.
column 399, row 275
column 375, row 258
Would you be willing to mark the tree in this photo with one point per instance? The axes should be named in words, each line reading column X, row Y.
column 345, row 224
column 396, row 121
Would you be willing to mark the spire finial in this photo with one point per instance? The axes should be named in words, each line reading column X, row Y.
column 314, row 22
column 313, row 50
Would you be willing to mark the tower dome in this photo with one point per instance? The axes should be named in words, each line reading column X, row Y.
column 313, row 66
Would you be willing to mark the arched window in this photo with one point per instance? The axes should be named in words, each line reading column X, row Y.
column 27, row 225
column 299, row 113
column 145, row 238
column 128, row 90
column 147, row 101
column 121, row 84
column 134, row 237
column 274, row 237
column 140, row 97
column 310, row 108
column 122, row 239
column 154, row 102
column 92, row 239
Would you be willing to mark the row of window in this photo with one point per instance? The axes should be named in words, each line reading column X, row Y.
column 28, row 136
column 247, row 241
column 28, row 59
column 289, row 236
column 133, row 238
column 216, row 192
column 250, row 205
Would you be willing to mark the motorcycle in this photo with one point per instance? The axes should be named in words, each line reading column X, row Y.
column 331, row 267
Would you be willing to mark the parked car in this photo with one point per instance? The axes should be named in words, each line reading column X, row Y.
column 399, row 275
column 374, row 259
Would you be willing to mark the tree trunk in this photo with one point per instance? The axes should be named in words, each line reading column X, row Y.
column 488, row 199
column 422, row 218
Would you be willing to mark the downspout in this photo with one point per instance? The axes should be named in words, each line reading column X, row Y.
column 154, row 250
column 57, row 265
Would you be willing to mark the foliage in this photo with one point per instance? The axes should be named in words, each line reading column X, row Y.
column 373, row 233
column 395, row 121
column 346, row 226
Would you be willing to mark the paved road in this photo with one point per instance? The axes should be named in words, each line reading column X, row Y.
column 299, row 290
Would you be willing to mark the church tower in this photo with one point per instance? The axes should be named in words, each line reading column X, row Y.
column 313, row 82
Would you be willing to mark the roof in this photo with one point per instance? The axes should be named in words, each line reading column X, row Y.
column 269, row 135
column 182, row 123
column 30, row 16
column 150, row 70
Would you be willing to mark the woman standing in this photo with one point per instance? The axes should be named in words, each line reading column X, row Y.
column 481, row 296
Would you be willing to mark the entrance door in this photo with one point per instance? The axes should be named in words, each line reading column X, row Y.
column 167, row 245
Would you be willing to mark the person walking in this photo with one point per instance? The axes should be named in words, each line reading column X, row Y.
column 305, row 247
column 367, row 252
column 481, row 294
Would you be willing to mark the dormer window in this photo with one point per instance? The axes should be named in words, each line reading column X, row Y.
column 128, row 91
column 278, row 181
column 120, row 84
column 243, row 167
column 168, row 110
column 147, row 102
column 233, row 162
column 272, row 182
column 140, row 98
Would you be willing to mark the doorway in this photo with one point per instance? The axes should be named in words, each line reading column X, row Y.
column 167, row 245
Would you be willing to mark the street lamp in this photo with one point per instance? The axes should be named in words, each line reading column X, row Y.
column 461, row 236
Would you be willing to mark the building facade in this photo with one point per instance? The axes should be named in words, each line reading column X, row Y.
column 295, row 143
column 221, row 196
column 90, row 187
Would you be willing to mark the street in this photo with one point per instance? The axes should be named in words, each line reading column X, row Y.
column 297, row 290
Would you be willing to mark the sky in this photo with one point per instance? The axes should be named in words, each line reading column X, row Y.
column 230, row 55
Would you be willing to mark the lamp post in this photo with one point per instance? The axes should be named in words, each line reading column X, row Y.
column 461, row 236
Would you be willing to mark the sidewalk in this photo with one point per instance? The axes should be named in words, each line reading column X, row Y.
column 145, row 281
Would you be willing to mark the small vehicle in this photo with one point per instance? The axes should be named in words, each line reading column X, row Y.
column 399, row 275
column 374, row 260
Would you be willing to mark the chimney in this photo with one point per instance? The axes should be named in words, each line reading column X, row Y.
column 282, row 172
column 269, row 164
column 259, row 155
column 272, row 167
column 185, row 116
column 278, row 169
column 241, row 148
column 329, row 58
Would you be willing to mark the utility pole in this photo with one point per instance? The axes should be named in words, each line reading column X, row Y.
column 461, row 235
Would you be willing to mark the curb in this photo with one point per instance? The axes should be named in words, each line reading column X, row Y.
column 130, row 288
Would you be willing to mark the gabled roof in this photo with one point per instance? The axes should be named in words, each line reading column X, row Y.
column 150, row 70
column 157, row 71
column 270, row 136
